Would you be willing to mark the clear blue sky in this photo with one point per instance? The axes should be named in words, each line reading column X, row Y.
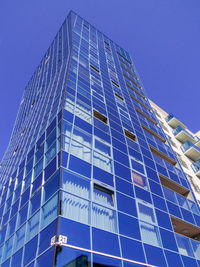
column 162, row 36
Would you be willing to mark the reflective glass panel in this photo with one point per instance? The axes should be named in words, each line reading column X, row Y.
column 146, row 213
column 102, row 162
column 75, row 184
column 102, row 148
column 184, row 245
column 103, row 195
column 75, row 208
column 81, row 151
column 103, row 218
column 150, row 234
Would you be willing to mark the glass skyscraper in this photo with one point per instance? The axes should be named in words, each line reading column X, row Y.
column 89, row 178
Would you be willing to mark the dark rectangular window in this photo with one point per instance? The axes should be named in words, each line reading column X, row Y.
column 130, row 135
column 103, row 195
column 92, row 67
column 115, row 83
column 120, row 97
column 100, row 116
column 85, row 26
column 107, row 48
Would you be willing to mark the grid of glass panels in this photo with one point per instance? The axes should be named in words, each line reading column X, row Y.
column 87, row 159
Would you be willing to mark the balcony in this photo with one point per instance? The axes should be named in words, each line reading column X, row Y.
column 191, row 151
column 182, row 135
column 186, row 229
column 173, row 122
column 197, row 142
column 196, row 167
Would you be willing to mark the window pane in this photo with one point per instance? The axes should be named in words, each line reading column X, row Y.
column 2, row 234
column 105, row 261
column 69, row 107
column 51, row 186
column 65, row 143
column 150, row 234
column 146, row 213
column 81, row 151
column 103, row 218
column 50, row 154
column 137, row 166
column 102, row 162
column 196, row 248
column 17, row 259
column 39, row 153
column 75, row 208
column 170, row 195
column 22, row 215
column 184, row 245
column 17, row 193
column 193, row 206
column 38, row 168
column 35, row 203
column 67, row 128
column 37, row 183
column 103, row 195
column 8, row 248
column 30, row 250
column 33, row 226
column 27, row 181
column 102, row 148
column 49, row 211
column 82, row 137
column 19, row 238
column 83, row 115
column 1, row 251
column 70, row 258
column 139, row 180
column 182, row 201
column 50, row 139
column 25, row 197
column 11, row 226
column 83, row 106
column 75, row 184
column 29, row 166
column 159, row 160
column 46, row 259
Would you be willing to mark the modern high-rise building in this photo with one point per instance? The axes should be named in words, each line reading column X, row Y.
column 185, row 144
column 89, row 177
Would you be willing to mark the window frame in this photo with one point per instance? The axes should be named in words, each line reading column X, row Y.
column 106, row 189
column 140, row 162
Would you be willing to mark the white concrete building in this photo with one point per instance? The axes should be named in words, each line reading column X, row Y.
column 185, row 144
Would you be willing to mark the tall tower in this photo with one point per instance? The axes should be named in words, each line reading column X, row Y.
column 89, row 178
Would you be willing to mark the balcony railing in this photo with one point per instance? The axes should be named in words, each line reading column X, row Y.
column 182, row 135
column 196, row 167
column 174, row 122
column 191, row 151
column 197, row 142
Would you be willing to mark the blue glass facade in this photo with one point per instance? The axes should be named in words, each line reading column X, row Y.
column 89, row 178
